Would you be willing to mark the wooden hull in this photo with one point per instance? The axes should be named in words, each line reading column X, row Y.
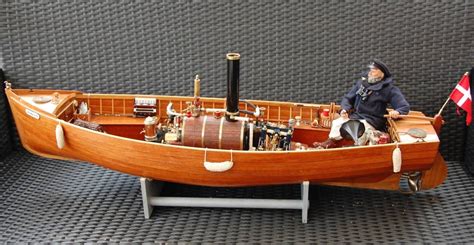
column 349, row 166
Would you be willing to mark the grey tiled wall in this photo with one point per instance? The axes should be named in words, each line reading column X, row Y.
column 308, row 51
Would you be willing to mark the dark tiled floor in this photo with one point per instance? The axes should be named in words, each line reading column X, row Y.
column 49, row 200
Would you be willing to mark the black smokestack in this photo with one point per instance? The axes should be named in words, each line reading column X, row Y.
column 233, row 77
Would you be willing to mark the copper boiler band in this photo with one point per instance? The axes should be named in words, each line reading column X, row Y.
column 182, row 131
column 203, row 131
column 220, row 132
column 242, row 129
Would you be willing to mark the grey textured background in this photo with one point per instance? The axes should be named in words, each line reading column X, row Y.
column 5, row 130
column 291, row 50
column 5, row 124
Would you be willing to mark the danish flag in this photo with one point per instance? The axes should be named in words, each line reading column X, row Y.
column 461, row 95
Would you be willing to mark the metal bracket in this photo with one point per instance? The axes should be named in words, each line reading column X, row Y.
column 151, row 190
column 413, row 180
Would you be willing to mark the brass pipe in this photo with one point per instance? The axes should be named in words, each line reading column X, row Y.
column 197, row 87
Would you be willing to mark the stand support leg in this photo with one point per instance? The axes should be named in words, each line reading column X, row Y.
column 150, row 189
column 305, row 201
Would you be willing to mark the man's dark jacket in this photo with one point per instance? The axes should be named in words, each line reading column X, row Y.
column 374, row 106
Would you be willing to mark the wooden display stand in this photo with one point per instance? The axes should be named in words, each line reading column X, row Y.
column 151, row 190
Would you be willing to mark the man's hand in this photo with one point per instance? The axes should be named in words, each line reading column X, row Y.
column 344, row 114
column 394, row 114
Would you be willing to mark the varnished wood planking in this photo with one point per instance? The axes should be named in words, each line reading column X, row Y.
column 184, row 164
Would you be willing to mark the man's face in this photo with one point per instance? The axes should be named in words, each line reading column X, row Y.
column 375, row 73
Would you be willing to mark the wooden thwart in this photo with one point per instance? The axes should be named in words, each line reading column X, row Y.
column 431, row 119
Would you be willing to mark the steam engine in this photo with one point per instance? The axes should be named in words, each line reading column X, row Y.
column 221, row 128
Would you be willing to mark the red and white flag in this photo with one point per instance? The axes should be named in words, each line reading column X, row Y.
column 461, row 95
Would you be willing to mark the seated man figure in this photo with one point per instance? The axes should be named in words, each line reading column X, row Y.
column 367, row 101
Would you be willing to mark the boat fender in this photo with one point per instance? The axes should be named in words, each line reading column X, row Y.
column 59, row 136
column 217, row 166
column 397, row 159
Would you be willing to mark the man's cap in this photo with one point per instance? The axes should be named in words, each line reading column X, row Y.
column 381, row 66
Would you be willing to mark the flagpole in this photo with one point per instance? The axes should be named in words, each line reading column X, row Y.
column 442, row 107
column 446, row 102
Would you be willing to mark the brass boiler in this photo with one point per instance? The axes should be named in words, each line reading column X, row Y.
column 150, row 128
column 211, row 132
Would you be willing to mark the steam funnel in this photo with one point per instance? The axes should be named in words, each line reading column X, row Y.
column 233, row 74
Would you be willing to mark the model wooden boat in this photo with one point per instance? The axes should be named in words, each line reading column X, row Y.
column 214, row 147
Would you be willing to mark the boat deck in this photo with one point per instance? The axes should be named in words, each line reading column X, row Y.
column 60, row 201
